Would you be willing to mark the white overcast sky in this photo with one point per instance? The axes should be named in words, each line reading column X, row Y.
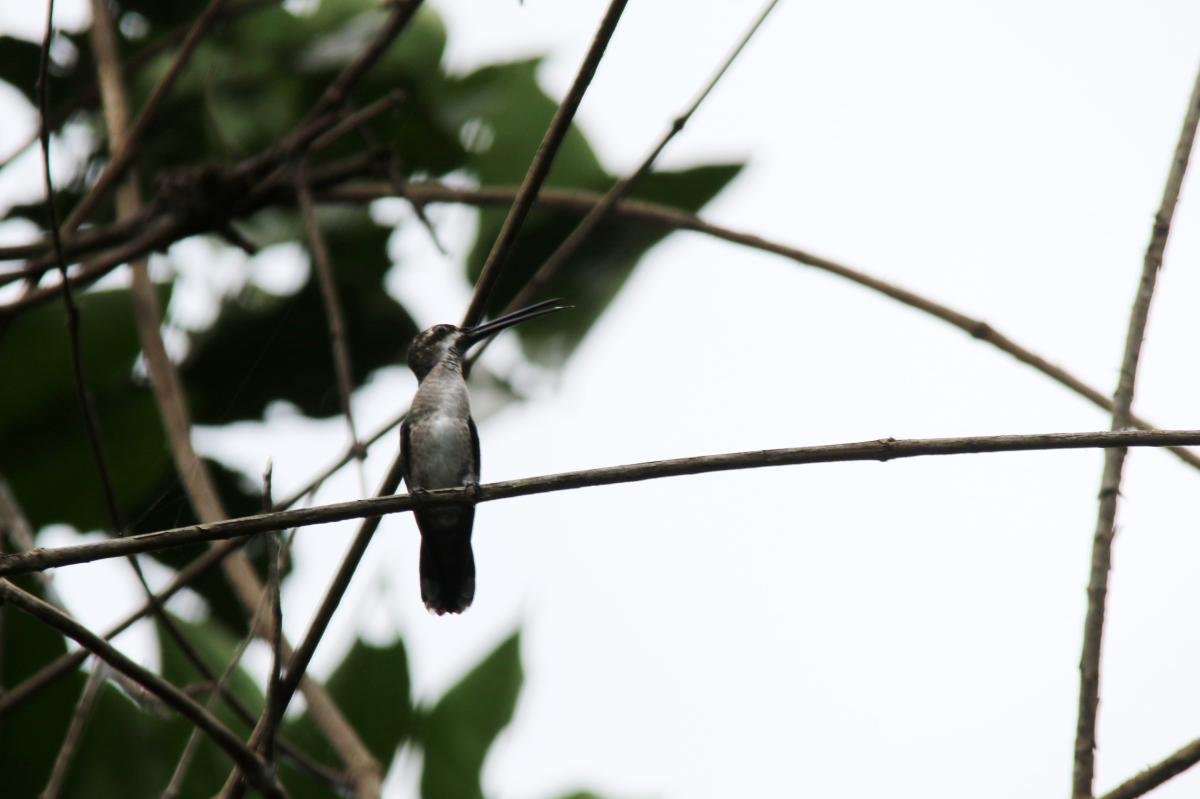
column 909, row 628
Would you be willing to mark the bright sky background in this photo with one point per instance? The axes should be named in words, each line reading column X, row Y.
column 909, row 628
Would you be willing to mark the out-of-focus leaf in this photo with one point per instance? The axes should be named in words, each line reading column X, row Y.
column 458, row 731
column 19, row 61
column 215, row 646
column 31, row 734
column 169, row 507
column 502, row 113
column 118, row 729
column 46, row 454
column 372, row 687
column 264, row 347
column 599, row 270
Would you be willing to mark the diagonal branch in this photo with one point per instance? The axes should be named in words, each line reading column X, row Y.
column 540, row 167
column 601, row 210
column 250, row 763
column 334, row 317
column 1150, row 778
column 1114, row 461
column 79, row 718
column 876, row 450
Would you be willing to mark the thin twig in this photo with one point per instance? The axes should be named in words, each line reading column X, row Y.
column 67, row 662
column 251, row 764
column 272, row 707
column 334, row 317
column 87, row 407
column 350, row 454
column 189, row 750
column 70, row 745
column 355, row 120
column 875, row 450
column 540, row 167
column 1150, row 778
column 1114, row 460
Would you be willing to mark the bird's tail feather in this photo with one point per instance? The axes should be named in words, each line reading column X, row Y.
column 447, row 564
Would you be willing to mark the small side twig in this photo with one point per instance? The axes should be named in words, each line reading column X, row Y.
column 302, row 656
column 219, row 686
column 83, row 711
column 273, row 709
column 1114, row 460
column 334, row 317
column 1150, row 778
column 87, row 406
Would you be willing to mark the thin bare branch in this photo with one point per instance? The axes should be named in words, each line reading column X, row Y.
column 273, row 708
column 219, row 687
column 86, row 405
column 876, row 450
column 1114, row 460
column 1150, row 778
column 356, row 119
column 298, row 663
column 69, row 661
column 540, row 167
column 70, row 745
column 251, row 764
column 350, row 454
column 334, row 317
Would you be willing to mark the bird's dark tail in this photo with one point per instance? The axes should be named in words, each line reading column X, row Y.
column 447, row 563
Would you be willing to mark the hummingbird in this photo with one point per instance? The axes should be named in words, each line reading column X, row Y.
column 439, row 448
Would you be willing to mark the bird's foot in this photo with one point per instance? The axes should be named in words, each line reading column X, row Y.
column 419, row 494
column 471, row 489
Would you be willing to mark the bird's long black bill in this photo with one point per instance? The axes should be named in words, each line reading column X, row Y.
column 480, row 332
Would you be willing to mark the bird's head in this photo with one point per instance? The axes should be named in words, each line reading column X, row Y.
column 435, row 344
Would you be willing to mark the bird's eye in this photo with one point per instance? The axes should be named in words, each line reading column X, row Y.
column 442, row 330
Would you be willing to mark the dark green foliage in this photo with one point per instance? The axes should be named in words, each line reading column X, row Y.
column 251, row 81
column 458, row 731
column 31, row 734
column 372, row 687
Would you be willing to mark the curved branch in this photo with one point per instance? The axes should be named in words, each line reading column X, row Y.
column 1114, row 460
column 250, row 763
column 877, row 450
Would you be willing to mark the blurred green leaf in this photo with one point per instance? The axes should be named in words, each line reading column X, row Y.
column 458, row 731
column 215, row 645
column 502, row 113
column 372, row 687
column 46, row 452
column 31, row 735
column 264, row 348
column 597, row 272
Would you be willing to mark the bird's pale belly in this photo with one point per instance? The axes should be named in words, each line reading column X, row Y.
column 445, row 452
